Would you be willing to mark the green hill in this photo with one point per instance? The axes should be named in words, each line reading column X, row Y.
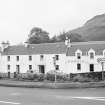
column 93, row 29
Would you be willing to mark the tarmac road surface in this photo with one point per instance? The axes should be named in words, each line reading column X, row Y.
column 37, row 96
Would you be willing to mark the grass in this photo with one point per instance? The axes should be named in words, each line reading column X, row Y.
column 68, row 85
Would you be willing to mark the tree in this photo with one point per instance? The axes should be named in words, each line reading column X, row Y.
column 74, row 37
column 37, row 35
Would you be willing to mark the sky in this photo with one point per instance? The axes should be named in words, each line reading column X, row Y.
column 18, row 17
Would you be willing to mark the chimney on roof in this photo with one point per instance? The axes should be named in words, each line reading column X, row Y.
column 4, row 45
column 68, row 42
column 26, row 44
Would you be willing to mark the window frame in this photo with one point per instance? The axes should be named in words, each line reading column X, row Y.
column 30, row 57
column 30, row 67
column 78, row 52
column 8, row 67
column 78, row 55
column 8, row 58
column 17, row 58
column 78, row 66
column 91, row 54
column 57, row 57
column 57, row 67
column 41, row 57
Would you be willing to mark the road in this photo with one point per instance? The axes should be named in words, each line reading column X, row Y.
column 35, row 96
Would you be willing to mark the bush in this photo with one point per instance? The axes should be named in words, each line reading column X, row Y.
column 80, row 78
column 87, row 77
column 60, row 76
column 50, row 77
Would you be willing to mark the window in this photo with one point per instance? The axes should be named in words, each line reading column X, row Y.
column 91, row 55
column 78, row 66
column 8, row 58
column 18, row 69
column 57, row 57
column 41, row 57
column 30, row 58
column 30, row 67
column 8, row 67
column 57, row 67
column 17, row 58
column 78, row 56
column 91, row 67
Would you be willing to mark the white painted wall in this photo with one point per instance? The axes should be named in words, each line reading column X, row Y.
column 67, row 64
column 24, row 62
column 85, row 62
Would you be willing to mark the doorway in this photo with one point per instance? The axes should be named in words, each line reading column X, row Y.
column 41, row 69
column 91, row 67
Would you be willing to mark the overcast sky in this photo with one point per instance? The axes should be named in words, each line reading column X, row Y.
column 17, row 17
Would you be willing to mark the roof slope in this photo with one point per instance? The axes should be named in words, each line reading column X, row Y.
column 97, row 46
column 46, row 48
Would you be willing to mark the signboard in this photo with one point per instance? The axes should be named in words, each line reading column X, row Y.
column 100, row 60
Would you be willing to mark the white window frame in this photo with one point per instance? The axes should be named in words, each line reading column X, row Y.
column 91, row 51
column 76, row 53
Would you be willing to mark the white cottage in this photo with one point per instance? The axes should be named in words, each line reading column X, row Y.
column 83, row 57
column 32, row 57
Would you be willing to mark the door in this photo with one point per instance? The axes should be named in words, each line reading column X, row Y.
column 91, row 67
column 41, row 69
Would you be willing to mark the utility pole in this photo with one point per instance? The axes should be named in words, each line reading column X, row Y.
column 54, row 62
column 102, row 63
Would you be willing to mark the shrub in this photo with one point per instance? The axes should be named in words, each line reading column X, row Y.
column 60, row 76
column 81, row 78
column 50, row 77
column 41, row 77
column 30, row 76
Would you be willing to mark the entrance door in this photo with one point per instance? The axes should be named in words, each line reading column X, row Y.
column 91, row 67
column 41, row 69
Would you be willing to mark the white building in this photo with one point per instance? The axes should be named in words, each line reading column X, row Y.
column 78, row 57
column 33, row 57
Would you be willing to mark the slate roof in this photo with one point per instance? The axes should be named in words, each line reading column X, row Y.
column 97, row 46
column 56, row 48
column 46, row 48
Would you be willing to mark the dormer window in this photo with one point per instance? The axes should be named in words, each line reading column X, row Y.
column 91, row 55
column 78, row 56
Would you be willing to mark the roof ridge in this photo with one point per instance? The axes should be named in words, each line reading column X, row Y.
column 88, row 42
column 37, row 44
column 46, row 43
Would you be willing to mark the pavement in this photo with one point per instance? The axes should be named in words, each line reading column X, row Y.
column 39, row 96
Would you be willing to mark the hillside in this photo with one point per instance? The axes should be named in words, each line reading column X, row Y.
column 93, row 29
